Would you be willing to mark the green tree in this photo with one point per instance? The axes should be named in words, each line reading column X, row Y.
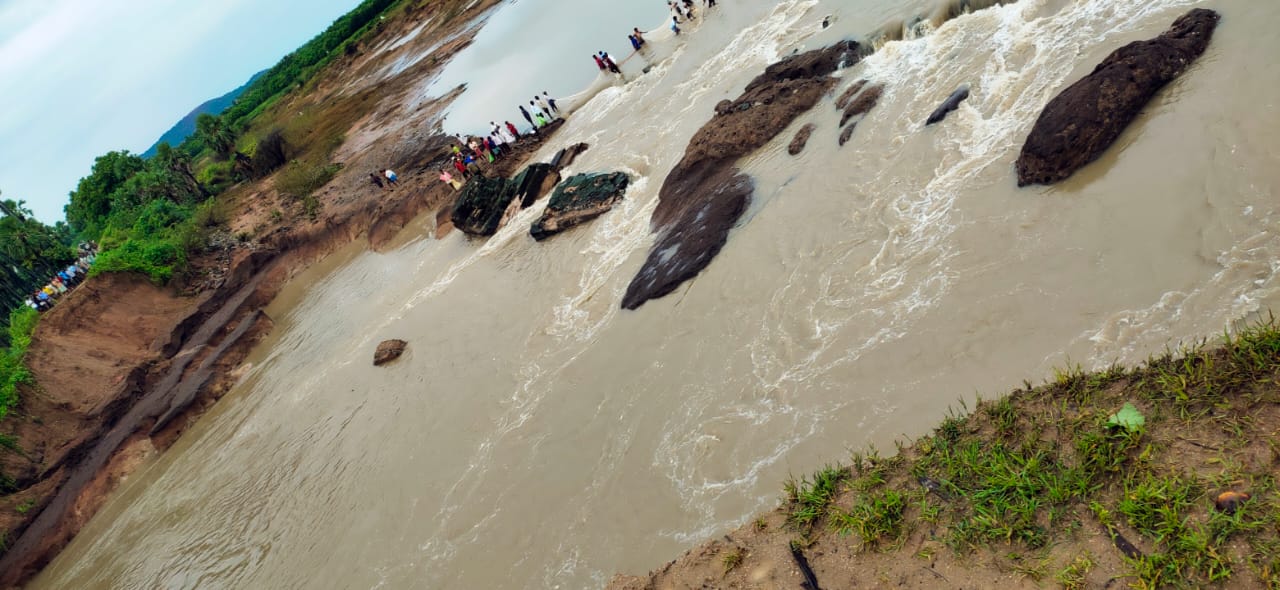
column 215, row 135
column 30, row 252
column 91, row 201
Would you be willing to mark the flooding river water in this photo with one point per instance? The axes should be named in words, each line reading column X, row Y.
column 536, row 436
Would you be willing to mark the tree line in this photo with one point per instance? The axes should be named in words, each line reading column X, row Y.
column 149, row 214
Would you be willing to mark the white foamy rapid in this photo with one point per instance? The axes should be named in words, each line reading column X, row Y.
column 536, row 436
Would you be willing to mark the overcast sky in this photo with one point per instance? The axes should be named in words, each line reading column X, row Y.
column 79, row 78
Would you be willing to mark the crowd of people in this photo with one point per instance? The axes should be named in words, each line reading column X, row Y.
column 472, row 153
column 64, row 280
column 682, row 9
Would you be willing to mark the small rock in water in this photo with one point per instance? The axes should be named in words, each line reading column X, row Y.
column 952, row 103
column 388, row 350
column 847, row 133
column 845, row 97
column 801, row 138
column 865, row 102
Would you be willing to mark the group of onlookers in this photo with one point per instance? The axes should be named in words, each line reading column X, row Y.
column 65, row 279
column 470, row 153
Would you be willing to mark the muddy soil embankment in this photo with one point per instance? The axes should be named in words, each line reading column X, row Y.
column 122, row 366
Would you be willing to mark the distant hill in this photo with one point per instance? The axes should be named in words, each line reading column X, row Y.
column 187, row 125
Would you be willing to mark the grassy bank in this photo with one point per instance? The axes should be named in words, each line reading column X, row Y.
column 1158, row 476
column 13, row 371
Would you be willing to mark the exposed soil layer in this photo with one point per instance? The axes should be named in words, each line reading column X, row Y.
column 1086, row 118
column 704, row 195
column 1159, row 476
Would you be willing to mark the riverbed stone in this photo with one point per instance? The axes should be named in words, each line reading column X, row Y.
column 864, row 103
column 846, row 133
column 849, row 93
column 950, row 104
column 387, row 351
column 483, row 204
column 1088, row 116
column 704, row 195
column 800, row 139
column 577, row 200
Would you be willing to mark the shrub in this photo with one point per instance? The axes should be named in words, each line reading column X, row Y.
column 299, row 179
column 157, row 258
column 13, row 372
column 270, row 154
column 218, row 176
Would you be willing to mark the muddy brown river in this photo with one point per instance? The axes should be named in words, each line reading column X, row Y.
column 537, row 436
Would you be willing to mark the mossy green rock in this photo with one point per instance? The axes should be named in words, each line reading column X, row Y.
column 578, row 199
column 484, row 201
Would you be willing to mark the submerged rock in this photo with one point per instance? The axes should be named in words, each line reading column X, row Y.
column 847, row 95
column 801, row 138
column 846, row 133
column 482, row 206
column 388, row 350
column 704, row 195
column 865, row 102
column 578, row 199
column 950, row 104
column 1086, row 118
column 566, row 156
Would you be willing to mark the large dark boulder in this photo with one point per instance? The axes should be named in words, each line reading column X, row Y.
column 579, row 199
column 691, row 240
column 1086, row 118
column 704, row 195
column 482, row 206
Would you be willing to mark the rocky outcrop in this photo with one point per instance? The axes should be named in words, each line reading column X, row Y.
column 1086, row 118
column 704, row 195
column 577, row 200
column 387, row 351
column 950, row 104
column 800, row 139
column 484, row 201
